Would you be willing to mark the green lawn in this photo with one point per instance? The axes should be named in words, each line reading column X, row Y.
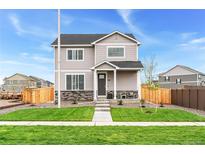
column 51, row 114
column 149, row 114
column 101, row 135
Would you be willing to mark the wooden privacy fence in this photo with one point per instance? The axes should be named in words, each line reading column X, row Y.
column 38, row 95
column 156, row 95
column 190, row 97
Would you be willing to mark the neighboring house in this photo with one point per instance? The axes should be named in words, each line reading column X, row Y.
column 1, row 88
column 179, row 76
column 41, row 82
column 97, row 66
column 17, row 82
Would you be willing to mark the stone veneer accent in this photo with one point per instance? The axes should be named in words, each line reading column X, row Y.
column 131, row 94
column 88, row 95
column 71, row 95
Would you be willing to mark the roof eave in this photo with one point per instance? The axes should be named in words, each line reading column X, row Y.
column 138, row 43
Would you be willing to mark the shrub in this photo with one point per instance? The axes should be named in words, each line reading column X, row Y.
column 161, row 104
column 120, row 102
column 142, row 101
column 75, row 101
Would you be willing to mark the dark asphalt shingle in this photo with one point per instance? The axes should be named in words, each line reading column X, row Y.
column 81, row 38
column 127, row 64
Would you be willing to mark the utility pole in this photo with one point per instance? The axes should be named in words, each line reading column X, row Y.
column 59, row 62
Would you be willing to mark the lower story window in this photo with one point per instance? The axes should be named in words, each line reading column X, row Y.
column 75, row 81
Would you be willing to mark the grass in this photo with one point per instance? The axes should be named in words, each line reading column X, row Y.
column 149, row 114
column 50, row 114
column 101, row 135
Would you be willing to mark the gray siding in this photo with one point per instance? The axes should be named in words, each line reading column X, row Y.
column 98, row 53
column 178, row 71
column 18, row 83
column 88, row 80
column 126, row 80
column 185, row 79
column 87, row 63
column 116, row 40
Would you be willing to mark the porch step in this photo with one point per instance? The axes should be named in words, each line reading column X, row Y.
column 102, row 105
column 102, row 98
column 102, row 108
column 102, row 102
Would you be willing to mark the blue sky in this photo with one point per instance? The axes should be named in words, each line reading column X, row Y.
column 171, row 36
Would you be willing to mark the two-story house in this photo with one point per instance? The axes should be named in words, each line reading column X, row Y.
column 18, row 82
column 180, row 76
column 97, row 66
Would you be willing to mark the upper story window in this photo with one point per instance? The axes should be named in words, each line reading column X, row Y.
column 75, row 54
column 116, row 52
column 15, row 81
column 178, row 81
column 167, row 78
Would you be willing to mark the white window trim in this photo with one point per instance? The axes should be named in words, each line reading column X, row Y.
column 71, row 81
column 179, row 80
column 116, row 47
column 72, row 50
column 167, row 78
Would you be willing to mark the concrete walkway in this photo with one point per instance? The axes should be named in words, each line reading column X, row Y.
column 102, row 112
column 59, row 123
column 102, row 116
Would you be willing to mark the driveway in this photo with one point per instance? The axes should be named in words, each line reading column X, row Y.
column 8, row 103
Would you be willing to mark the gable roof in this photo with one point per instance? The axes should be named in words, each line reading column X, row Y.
column 104, row 62
column 85, row 39
column 122, row 64
column 36, row 78
column 131, row 37
column 127, row 64
column 184, row 67
column 23, row 75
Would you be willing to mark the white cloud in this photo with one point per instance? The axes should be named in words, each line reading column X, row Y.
column 198, row 40
column 194, row 44
column 66, row 20
column 188, row 35
column 24, row 54
column 45, row 46
column 27, row 56
column 16, row 23
column 126, row 16
column 42, row 59
column 13, row 62
column 22, row 64
column 27, row 29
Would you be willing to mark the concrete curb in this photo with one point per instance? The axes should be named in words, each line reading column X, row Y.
column 62, row 123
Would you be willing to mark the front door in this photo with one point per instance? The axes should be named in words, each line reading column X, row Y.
column 101, row 84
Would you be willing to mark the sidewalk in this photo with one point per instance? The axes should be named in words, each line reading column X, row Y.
column 102, row 116
column 59, row 123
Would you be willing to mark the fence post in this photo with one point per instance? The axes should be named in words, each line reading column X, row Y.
column 182, row 97
column 197, row 98
column 176, row 103
column 189, row 98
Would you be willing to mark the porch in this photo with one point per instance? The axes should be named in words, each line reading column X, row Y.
column 113, row 82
